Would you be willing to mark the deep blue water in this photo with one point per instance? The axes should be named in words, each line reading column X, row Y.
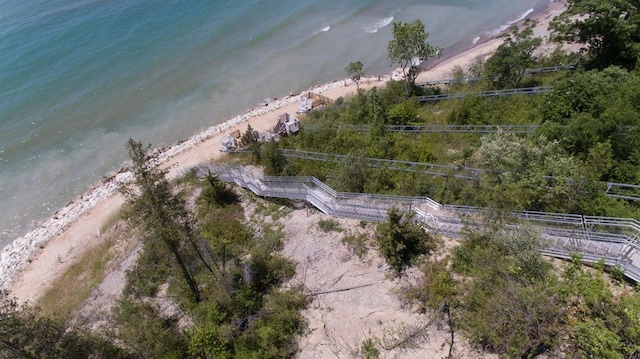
column 79, row 78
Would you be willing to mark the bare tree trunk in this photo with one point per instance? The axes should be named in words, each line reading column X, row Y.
column 193, row 286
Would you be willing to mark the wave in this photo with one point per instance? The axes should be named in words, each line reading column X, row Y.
column 372, row 27
column 326, row 28
column 522, row 17
column 502, row 28
column 475, row 41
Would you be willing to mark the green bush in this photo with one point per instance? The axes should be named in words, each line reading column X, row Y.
column 329, row 225
column 400, row 241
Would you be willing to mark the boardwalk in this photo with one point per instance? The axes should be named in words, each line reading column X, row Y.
column 479, row 129
column 614, row 240
column 467, row 80
column 492, row 93
column 616, row 190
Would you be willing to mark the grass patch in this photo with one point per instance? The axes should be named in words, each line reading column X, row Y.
column 277, row 208
column 358, row 243
column 111, row 221
column 329, row 225
column 74, row 286
column 273, row 235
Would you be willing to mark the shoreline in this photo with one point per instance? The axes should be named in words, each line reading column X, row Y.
column 77, row 226
column 177, row 158
column 463, row 53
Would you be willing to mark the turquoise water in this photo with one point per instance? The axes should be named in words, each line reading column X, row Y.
column 79, row 78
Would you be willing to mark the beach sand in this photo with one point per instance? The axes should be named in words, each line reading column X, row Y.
column 28, row 265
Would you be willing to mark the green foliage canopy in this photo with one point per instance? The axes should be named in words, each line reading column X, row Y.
column 595, row 116
column 409, row 43
column 355, row 72
column 25, row 334
column 515, row 55
column 400, row 241
column 609, row 31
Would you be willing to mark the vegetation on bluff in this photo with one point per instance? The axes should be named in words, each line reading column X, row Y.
column 221, row 278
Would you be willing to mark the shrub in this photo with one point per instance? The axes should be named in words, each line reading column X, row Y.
column 329, row 225
column 400, row 241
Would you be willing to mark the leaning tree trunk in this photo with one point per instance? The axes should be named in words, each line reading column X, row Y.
column 191, row 282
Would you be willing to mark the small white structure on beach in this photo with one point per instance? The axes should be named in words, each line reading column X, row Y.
column 305, row 105
column 286, row 125
column 230, row 141
column 311, row 100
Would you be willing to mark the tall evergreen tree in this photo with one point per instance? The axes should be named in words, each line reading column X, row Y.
column 163, row 214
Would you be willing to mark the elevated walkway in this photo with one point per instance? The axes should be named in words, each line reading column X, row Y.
column 465, row 80
column 614, row 240
column 493, row 93
column 479, row 129
column 632, row 192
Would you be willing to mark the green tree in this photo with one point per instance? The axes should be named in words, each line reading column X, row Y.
column 144, row 331
column 609, row 31
column 601, row 324
column 437, row 292
column 408, row 46
column 537, row 174
column 272, row 158
column 26, row 334
column 354, row 70
column 250, row 140
column 404, row 113
column 512, row 319
column 163, row 214
column 218, row 192
column 594, row 116
column 400, row 241
column 509, row 304
column 515, row 55
column 351, row 175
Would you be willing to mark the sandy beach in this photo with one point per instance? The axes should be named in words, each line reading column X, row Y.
column 30, row 263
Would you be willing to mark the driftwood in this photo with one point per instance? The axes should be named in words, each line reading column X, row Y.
column 341, row 290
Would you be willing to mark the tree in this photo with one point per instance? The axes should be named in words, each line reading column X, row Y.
column 601, row 324
column 251, row 140
column 536, row 173
column 162, row 213
column 586, row 113
column 354, row 70
column 26, row 334
column 272, row 158
column 437, row 292
column 409, row 44
column 218, row 192
column 400, row 241
column 609, row 31
column 144, row 330
column 515, row 55
column 508, row 305
column 351, row 175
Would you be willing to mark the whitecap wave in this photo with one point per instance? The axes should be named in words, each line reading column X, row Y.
column 502, row 28
column 522, row 17
column 372, row 27
column 326, row 28
column 475, row 41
